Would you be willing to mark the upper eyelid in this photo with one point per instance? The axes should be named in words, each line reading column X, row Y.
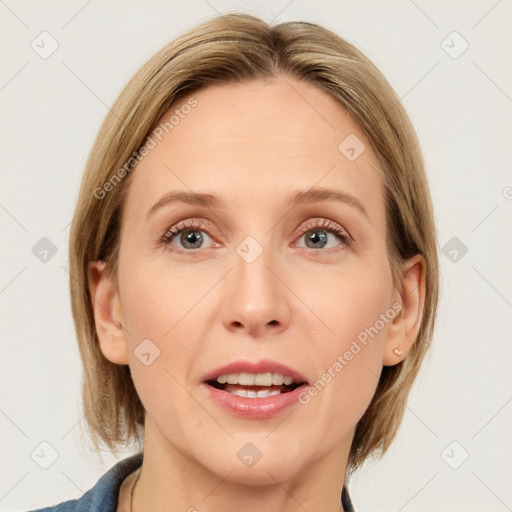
column 196, row 223
column 311, row 223
column 329, row 225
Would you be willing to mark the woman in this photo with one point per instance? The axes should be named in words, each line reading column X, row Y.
column 253, row 272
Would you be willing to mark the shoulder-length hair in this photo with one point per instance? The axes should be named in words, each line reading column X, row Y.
column 238, row 48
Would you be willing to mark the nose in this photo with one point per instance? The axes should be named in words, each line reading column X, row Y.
column 256, row 300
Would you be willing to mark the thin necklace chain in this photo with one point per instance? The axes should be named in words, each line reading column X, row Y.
column 133, row 489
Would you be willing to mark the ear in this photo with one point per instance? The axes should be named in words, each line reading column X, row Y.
column 405, row 326
column 108, row 316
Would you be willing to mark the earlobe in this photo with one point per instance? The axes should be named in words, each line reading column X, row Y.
column 405, row 326
column 108, row 318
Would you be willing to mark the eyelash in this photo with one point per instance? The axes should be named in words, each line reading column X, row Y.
column 311, row 225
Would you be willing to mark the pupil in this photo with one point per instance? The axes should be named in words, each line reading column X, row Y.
column 318, row 236
column 193, row 238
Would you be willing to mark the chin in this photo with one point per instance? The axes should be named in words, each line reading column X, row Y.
column 256, row 463
column 262, row 473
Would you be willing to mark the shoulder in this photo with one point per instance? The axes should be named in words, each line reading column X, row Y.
column 103, row 496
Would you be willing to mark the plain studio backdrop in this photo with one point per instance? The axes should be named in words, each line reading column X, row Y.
column 62, row 66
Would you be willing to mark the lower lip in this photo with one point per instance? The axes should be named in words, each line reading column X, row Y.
column 255, row 408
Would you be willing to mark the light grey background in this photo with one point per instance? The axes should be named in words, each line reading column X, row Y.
column 461, row 107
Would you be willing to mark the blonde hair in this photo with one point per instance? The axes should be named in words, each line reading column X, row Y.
column 238, row 48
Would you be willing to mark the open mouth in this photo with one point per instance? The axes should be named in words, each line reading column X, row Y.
column 255, row 385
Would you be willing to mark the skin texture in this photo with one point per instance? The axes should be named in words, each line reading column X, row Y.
column 253, row 144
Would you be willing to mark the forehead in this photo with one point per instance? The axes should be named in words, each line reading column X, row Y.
column 255, row 142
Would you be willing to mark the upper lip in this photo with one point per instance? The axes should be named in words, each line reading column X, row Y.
column 262, row 366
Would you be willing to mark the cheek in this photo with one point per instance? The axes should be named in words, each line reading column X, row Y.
column 162, row 311
column 350, row 357
column 161, row 349
column 156, row 298
column 351, row 305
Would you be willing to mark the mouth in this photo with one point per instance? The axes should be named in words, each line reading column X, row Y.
column 255, row 385
column 254, row 390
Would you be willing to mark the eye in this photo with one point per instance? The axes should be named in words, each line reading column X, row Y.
column 191, row 234
column 187, row 235
column 317, row 233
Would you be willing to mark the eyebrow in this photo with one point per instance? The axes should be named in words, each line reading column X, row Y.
column 192, row 198
column 313, row 195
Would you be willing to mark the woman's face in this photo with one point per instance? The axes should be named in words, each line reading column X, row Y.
column 268, row 277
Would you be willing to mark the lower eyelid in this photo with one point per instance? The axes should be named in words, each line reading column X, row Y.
column 175, row 231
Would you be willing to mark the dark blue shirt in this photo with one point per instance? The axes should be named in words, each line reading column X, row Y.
column 104, row 495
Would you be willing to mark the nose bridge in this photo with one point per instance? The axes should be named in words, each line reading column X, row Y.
column 256, row 298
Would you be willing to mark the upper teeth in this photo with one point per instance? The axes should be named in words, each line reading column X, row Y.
column 255, row 379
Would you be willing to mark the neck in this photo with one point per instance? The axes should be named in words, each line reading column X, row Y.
column 171, row 480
